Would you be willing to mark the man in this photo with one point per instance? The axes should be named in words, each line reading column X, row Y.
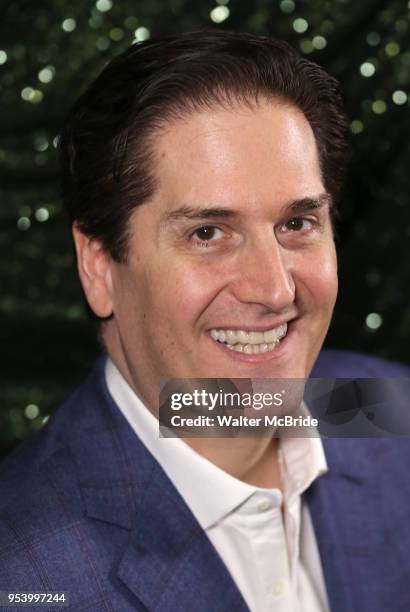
column 201, row 175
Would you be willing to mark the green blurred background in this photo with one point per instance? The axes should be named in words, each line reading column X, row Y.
column 49, row 52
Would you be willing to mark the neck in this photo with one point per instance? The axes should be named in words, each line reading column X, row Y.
column 252, row 460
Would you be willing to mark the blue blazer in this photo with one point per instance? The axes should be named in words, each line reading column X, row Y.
column 86, row 509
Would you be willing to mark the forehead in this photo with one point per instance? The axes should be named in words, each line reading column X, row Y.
column 239, row 156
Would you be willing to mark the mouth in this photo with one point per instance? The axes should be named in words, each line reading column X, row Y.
column 250, row 345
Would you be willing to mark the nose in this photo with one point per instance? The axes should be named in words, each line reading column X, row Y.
column 265, row 275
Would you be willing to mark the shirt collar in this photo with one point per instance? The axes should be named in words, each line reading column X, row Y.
column 209, row 492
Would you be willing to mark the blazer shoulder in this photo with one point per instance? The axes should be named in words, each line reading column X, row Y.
column 41, row 508
column 62, row 502
column 347, row 364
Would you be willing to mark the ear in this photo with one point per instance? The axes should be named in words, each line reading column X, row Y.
column 93, row 264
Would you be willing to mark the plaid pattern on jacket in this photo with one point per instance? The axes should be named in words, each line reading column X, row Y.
column 86, row 509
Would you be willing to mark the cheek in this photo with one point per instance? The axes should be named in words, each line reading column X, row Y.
column 324, row 281
column 190, row 290
column 319, row 280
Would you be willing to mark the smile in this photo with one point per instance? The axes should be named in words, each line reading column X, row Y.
column 250, row 342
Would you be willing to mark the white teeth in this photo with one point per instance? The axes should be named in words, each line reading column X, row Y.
column 271, row 335
column 250, row 339
column 231, row 337
column 215, row 334
column 242, row 337
column 252, row 349
column 256, row 337
column 247, row 337
column 256, row 342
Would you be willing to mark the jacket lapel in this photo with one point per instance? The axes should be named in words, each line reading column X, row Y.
column 346, row 514
column 168, row 562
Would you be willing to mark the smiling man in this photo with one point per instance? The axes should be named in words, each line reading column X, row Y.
column 201, row 174
column 236, row 188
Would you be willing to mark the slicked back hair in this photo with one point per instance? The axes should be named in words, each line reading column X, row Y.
column 106, row 147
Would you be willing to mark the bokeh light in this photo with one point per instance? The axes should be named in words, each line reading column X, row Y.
column 367, row 69
column 374, row 321
column 42, row 214
column 219, row 14
column 69, row 25
column 103, row 5
column 287, row 6
column 300, row 25
column 31, row 411
column 399, row 97
column 142, row 33
column 319, row 42
column 46, row 74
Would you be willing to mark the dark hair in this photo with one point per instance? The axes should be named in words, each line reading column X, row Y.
column 106, row 146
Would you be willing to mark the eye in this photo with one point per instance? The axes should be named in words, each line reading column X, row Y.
column 207, row 233
column 298, row 224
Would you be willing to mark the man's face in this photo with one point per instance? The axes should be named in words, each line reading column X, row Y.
column 237, row 239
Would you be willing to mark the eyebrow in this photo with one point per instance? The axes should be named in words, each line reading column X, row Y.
column 201, row 213
column 306, row 204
